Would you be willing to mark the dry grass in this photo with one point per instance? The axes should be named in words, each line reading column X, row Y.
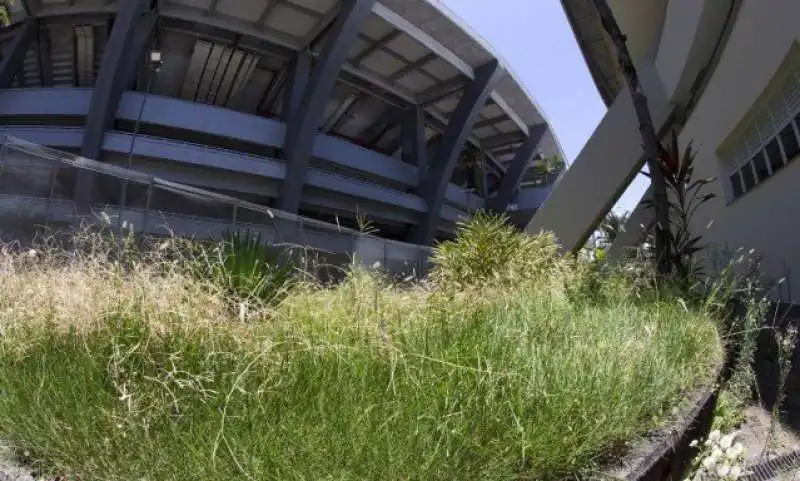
column 117, row 366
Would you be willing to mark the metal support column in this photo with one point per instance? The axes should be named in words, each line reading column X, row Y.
column 295, row 84
column 14, row 54
column 300, row 132
column 517, row 168
column 112, row 80
column 414, row 148
column 452, row 143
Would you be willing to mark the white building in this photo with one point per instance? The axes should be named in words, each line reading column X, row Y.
column 724, row 74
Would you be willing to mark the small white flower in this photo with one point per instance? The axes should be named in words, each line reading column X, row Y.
column 739, row 448
column 376, row 265
column 716, row 454
column 723, row 470
column 726, row 441
column 736, row 472
column 708, row 463
column 694, row 443
column 714, row 436
column 32, row 253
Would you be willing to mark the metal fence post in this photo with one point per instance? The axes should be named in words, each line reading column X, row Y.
column 386, row 255
column 53, row 175
column 146, row 215
column 233, row 218
column 3, row 149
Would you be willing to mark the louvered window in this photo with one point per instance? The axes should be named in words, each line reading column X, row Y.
column 217, row 73
column 772, row 138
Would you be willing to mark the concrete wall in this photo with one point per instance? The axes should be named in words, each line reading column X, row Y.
column 765, row 219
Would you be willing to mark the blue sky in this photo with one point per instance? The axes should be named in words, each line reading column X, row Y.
column 535, row 39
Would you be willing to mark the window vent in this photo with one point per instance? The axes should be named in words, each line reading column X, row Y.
column 772, row 138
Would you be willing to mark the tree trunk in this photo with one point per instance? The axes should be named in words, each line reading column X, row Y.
column 649, row 139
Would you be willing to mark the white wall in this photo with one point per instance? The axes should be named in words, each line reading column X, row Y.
column 766, row 219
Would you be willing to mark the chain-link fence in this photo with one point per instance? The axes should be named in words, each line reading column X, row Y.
column 37, row 188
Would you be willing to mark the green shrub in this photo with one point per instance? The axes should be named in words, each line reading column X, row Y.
column 488, row 250
column 245, row 268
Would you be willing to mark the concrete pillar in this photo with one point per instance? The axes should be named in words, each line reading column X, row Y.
column 414, row 147
column 517, row 168
column 114, row 77
column 450, row 146
column 603, row 170
column 302, row 129
column 14, row 54
column 296, row 83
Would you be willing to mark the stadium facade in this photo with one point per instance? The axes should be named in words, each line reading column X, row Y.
column 336, row 110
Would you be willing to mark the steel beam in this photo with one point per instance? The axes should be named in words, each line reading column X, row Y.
column 442, row 90
column 295, row 82
column 415, row 65
column 322, row 29
column 452, row 142
column 44, row 58
column 517, row 168
column 14, row 53
column 414, row 145
column 262, row 20
column 114, row 77
column 490, row 121
column 375, row 46
column 300, row 132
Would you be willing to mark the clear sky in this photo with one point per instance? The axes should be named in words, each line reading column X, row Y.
column 535, row 39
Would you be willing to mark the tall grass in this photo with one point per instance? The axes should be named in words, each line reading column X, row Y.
column 143, row 373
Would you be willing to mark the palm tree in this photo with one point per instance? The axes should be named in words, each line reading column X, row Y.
column 550, row 164
column 649, row 138
column 612, row 225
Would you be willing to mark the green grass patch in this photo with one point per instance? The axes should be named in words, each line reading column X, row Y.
column 156, row 379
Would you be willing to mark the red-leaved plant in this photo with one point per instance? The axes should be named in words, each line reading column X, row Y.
column 686, row 196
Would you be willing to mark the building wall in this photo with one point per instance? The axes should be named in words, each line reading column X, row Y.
column 766, row 218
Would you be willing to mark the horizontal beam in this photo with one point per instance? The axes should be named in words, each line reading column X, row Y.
column 501, row 140
column 375, row 46
column 411, row 67
column 216, row 121
column 490, row 121
column 442, row 90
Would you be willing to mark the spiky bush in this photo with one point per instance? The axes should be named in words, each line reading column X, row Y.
column 488, row 250
column 244, row 267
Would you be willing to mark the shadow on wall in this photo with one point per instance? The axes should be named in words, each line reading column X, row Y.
column 767, row 366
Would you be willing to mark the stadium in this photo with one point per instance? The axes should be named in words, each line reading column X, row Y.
column 334, row 110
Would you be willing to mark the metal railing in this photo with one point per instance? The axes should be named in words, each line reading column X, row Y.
column 37, row 188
